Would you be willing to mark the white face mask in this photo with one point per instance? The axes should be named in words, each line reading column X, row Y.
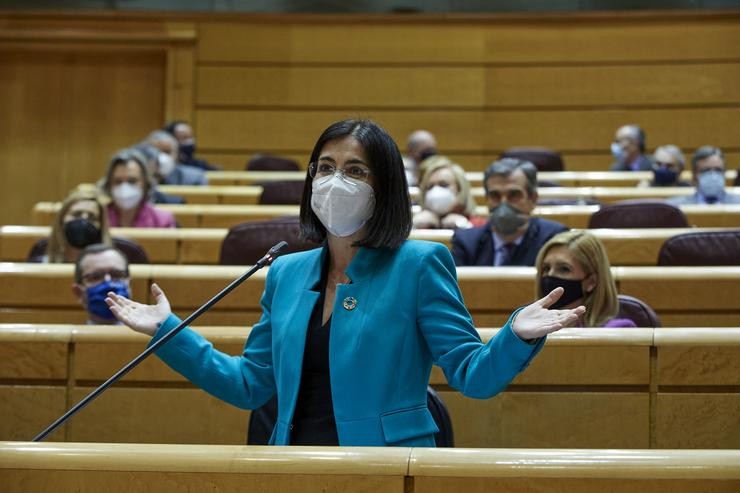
column 127, row 196
column 166, row 164
column 440, row 200
column 342, row 205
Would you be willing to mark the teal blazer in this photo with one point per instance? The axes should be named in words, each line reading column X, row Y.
column 401, row 313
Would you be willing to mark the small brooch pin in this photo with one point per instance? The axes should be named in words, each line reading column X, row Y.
column 349, row 303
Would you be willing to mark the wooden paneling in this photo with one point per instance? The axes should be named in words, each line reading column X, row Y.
column 28, row 409
column 70, row 112
column 562, row 419
column 466, row 87
column 290, row 131
column 182, row 416
column 680, row 423
column 465, row 42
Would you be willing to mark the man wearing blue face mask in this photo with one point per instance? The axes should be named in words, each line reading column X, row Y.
column 511, row 236
column 100, row 269
column 708, row 168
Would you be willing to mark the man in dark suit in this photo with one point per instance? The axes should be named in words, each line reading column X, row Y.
column 511, row 236
column 628, row 150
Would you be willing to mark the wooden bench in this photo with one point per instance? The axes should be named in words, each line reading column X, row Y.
column 203, row 245
column 697, row 296
column 250, row 194
column 649, row 388
column 564, row 178
column 226, row 215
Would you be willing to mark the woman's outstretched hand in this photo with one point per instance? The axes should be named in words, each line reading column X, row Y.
column 536, row 320
column 142, row 318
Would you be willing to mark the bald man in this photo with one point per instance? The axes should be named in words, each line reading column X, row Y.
column 420, row 145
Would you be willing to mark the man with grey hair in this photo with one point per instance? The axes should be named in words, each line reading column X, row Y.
column 708, row 168
column 628, row 150
column 668, row 164
column 169, row 170
column 420, row 145
column 511, row 236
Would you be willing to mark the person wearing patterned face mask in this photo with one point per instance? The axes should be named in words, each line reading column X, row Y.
column 349, row 331
column 99, row 270
column 128, row 184
column 444, row 196
column 511, row 236
column 577, row 262
column 708, row 168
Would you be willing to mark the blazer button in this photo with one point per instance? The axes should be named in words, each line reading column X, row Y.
column 349, row 303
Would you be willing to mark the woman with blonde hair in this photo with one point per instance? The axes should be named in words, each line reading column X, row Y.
column 577, row 262
column 81, row 221
column 444, row 195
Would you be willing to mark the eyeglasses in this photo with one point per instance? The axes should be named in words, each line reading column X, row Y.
column 354, row 171
column 99, row 276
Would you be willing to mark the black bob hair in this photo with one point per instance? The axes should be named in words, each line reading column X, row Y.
column 390, row 223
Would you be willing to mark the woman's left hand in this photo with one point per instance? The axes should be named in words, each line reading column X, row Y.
column 536, row 320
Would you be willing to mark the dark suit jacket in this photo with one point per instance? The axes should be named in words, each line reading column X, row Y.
column 474, row 246
column 644, row 163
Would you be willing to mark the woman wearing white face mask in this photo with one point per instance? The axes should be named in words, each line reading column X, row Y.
column 128, row 184
column 445, row 198
column 349, row 331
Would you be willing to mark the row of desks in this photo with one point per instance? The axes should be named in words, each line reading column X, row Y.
column 591, row 388
column 114, row 468
column 694, row 296
column 250, row 194
column 228, row 215
column 202, row 246
column 563, row 178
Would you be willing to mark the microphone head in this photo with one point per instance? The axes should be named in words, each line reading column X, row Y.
column 275, row 251
column 272, row 254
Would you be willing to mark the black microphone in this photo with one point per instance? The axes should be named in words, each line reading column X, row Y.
column 271, row 255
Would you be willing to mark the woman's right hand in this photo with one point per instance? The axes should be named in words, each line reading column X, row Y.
column 142, row 318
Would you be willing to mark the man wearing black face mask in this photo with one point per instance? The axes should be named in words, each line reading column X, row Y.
column 512, row 236
column 183, row 132
column 100, row 269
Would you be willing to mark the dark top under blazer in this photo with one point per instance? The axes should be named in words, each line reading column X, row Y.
column 474, row 246
column 402, row 312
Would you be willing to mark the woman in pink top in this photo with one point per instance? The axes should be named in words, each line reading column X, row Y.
column 129, row 185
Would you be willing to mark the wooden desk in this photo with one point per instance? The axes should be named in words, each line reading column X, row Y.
column 699, row 296
column 202, row 245
column 226, row 216
column 651, row 388
column 115, row 467
column 123, row 468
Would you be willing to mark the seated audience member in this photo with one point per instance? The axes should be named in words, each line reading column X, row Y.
column 420, row 145
column 668, row 163
column 708, row 168
column 151, row 154
column 183, row 132
column 129, row 185
column 577, row 262
column 444, row 195
column 99, row 270
column 628, row 150
column 81, row 221
column 170, row 171
column 511, row 236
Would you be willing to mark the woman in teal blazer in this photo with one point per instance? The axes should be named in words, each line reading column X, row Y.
column 393, row 308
